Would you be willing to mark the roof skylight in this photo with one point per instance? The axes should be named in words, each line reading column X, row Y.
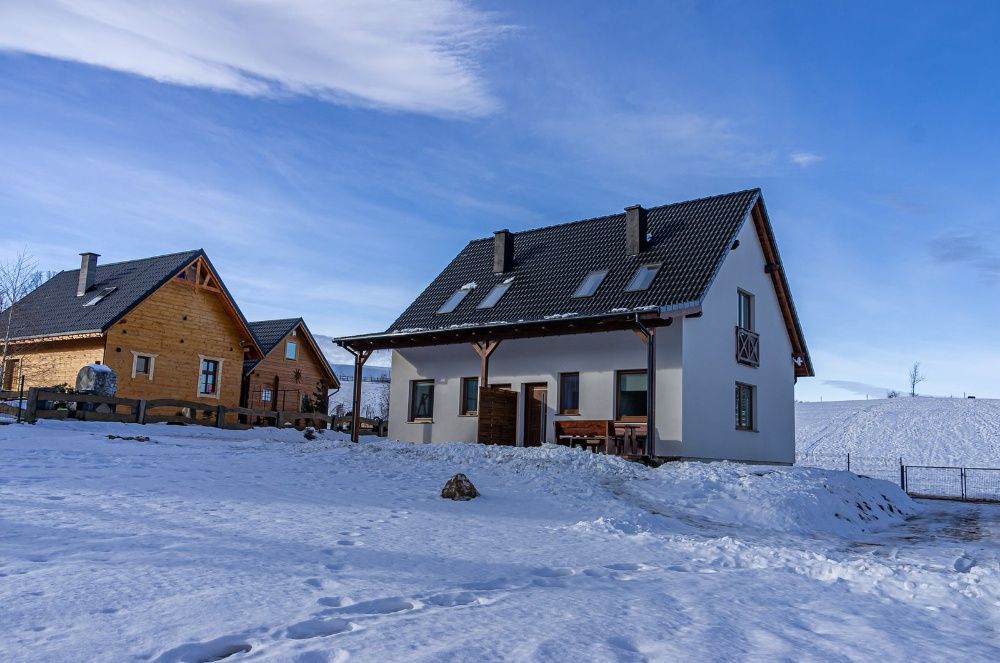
column 643, row 277
column 591, row 282
column 456, row 298
column 99, row 296
column 494, row 295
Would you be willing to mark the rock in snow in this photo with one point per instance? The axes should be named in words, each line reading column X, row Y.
column 459, row 488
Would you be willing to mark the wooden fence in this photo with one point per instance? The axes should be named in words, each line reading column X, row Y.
column 46, row 404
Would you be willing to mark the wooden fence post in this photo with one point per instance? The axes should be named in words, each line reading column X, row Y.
column 29, row 415
column 140, row 411
column 277, row 418
column 220, row 416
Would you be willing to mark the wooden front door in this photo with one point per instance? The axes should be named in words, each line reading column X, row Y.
column 536, row 408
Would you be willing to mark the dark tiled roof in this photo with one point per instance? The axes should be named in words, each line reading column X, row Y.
column 270, row 332
column 54, row 309
column 689, row 239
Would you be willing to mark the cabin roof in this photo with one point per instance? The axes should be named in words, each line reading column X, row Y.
column 54, row 309
column 270, row 332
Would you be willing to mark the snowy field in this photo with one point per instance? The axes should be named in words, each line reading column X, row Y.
column 204, row 545
column 923, row 431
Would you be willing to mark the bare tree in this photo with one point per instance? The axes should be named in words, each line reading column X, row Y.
column 18, row 277
column 916, row 377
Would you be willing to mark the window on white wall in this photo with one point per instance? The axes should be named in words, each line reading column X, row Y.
column 746, row 397
column 421, row 400
column 746, row 312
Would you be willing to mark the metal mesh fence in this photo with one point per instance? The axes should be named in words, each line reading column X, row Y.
column 960, row 483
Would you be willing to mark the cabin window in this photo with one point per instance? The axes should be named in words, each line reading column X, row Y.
column 208, row 378
column 421, row 400
column 746, row 310
column 643, row 277
column 470, row 396
column 99, row 296
column 569, row 393
column 494, row 295
column 291, row 350
column 142, row 364
column 630, row 396
column 456, row 298
column 591, row 282
column 265, row 395
column 746, row 397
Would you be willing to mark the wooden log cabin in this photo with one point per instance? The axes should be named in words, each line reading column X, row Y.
column 292, row 370
column 166, row 325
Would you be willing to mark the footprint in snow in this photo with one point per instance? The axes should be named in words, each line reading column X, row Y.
column 333, row 601
column 318, row 628
column 454, row 599
column 206, row 652
column 553, row 572
column 629, row 566
column 386, row 606
column 348, row 542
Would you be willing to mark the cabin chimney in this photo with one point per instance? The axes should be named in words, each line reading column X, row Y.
column 88, row 273
column 635, row 230
column 503, row 251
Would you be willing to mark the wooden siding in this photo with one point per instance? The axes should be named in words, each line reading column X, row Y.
column 178, row 323
column 50, row 363
column 290, row 385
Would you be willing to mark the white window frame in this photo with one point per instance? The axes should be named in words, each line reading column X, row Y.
column 152, row 363
column 295, row 347
column 269, row 392
column 218, row 377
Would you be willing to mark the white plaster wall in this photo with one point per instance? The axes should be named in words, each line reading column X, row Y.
column 709, row 350
column 518, row 362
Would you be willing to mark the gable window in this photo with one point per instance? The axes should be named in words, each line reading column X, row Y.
column 630, row 395
column 208, row 377
column 643, row 277
column 746, row 396
column 470, row 396
column 591, row 282
column 265, row 394
column 569, row 393
column 746, row 310
column 291, row 350
column 421, row 400
column 494, row 295
column 456, row 298
column 142, row 364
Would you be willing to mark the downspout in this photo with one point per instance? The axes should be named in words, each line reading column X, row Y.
column 650, row 338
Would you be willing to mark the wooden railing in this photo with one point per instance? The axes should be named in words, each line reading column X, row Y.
column 747, row 347
column 47, row 404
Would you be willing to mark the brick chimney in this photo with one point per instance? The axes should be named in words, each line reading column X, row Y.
column 503, row 251
column 635, row 230
column 88, row 273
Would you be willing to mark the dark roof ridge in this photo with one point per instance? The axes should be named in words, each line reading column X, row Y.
column 122, row 262
column 602, row 217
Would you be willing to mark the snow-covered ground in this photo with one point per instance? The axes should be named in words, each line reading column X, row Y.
column 923, row 431
column 257, row 545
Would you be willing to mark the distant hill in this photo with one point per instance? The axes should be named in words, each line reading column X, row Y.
column 946, row 431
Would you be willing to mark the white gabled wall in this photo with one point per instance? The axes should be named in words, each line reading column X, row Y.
column 519, row 362
column 711, row 370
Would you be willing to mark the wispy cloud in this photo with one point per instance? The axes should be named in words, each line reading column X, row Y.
column 969, row 248
column 804, row 159
column 858, row 388
column 409, row 56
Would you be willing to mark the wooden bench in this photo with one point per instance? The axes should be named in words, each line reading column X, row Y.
column 587, row 433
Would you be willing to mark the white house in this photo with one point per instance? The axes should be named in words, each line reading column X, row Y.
column 567, row 322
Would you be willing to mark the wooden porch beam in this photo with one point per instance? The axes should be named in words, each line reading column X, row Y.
column 484, row 349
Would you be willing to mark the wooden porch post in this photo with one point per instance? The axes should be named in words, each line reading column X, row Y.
column 360, row 357
column 648, row 336
column 484, row 349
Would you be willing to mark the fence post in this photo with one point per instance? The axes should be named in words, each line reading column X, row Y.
column 848, row 461
column 963, row 484
column 220, row 416
column 277, row 418
column 29, row 415
column 20, row 399
column 902, row 475
column 140, row 411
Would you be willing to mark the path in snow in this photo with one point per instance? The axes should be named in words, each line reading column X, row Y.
column 208, row 545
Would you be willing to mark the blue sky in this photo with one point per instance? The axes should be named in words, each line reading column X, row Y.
column 333, row 157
